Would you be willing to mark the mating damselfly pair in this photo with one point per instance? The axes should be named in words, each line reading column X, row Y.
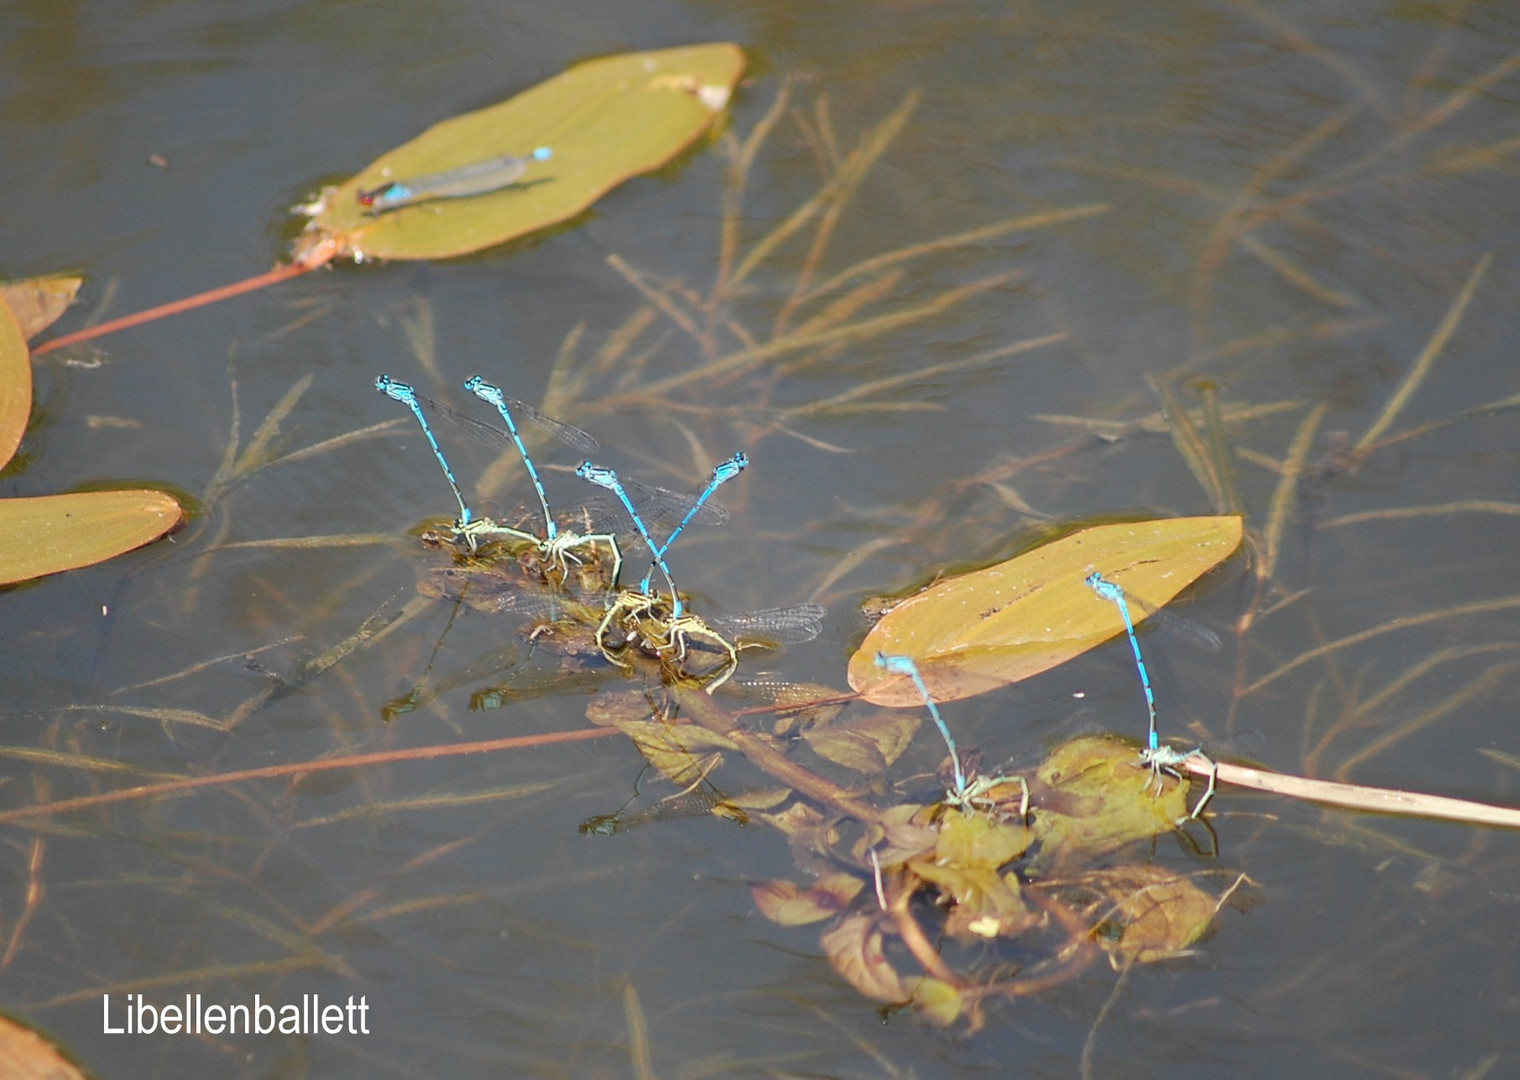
column 659, row 625
column 977, row 793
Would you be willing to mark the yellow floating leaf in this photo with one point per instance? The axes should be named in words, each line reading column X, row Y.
column 63, row 532
column 37, row 302
column 605, row 120
column 995, row 626
column 1094, row 798
column 15, row 384
column 26, row 1055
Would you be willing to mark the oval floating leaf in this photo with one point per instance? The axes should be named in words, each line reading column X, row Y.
column 26, row 1055
column 604, row 121
column 1096, row 798
column 983, row 630
column 63, row 532
column 37, row 302
column 15, row 384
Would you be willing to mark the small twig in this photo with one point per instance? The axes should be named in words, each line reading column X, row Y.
column 280, row 273
column 913, row 937
column 1358, row 797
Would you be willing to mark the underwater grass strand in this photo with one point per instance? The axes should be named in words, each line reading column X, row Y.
column 1367, row 91
column 561, row 394
column 1155, row 423
column 337, row 442
column 1484, row 156
column 860, row 160
column 639, row 1055
column 165, row 716
column 1216, row 247
column 1502, row 405
column 819, row 133
column 1355, row 717
column 1426, row 359
column 620, row 342
column 420, row 905
column 1221, row 458
column 1487, row 681
column 87, row 762
column 1285, row 495
column 389, row 808
column 850, row 304
column 236, row 467
column 1277, row 338
column 317, row 542
column 741, row 160
column 1195, row 451
column 296, row 769
column 1403, row 513
column 739, row 361
column 981, row 234
column 854, row 171
column 195, row 668
column 929, row 371
column 1296, row 275
column 297, row 942
column 1475, row 607
column 659, row 297
column 227, row 465
column 1509, row 761
column 846, row 564
column 1464, row 95
column 214, row 975
column 256, row 454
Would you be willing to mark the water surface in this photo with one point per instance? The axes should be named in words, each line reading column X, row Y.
column 1295, row 196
